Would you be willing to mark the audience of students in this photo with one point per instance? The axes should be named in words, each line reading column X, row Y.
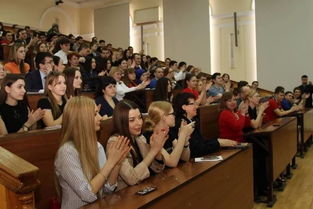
column 185, row 109
column 128, row 122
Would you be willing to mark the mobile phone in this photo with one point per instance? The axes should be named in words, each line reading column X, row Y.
column 146, row 190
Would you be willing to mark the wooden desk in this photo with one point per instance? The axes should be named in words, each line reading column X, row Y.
column 307, row 127
column 209, row 115
column 33, row 98
column 211, row 185
column 281, row 142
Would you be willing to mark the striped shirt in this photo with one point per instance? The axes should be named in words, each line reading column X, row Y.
column 76, row 189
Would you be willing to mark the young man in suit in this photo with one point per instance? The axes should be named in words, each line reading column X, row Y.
column 35, row 80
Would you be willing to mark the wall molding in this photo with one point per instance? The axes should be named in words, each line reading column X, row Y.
column 69, row 20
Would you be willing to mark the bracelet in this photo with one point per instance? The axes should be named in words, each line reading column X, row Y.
column 186, row 146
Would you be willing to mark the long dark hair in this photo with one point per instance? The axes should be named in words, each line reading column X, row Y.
column 161, row 90
column 8, row 80
column 69, row 74
column 188, row 77
column 121, row 125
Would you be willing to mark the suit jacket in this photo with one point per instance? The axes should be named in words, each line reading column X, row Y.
column 33, row 81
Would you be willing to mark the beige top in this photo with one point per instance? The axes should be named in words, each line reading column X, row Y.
column 130, row 175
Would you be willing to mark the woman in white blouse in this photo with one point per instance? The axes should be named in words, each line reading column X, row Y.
column 82, row 170
column 121, row 88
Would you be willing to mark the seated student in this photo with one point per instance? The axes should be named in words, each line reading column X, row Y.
column 58, row 64
column 163, row 90
column 161, row 116
column 35, row 80
column 231, row 122
column 190, row 85
column 73, row 60
column 16, row 64
column 255, row 109
column 288, row 101
column 105, row 96
column 228, row 86
column 83, row 171
column 90, row 73
column 129, row 77
column 243, row 92
column 299, row 98
column 216, row 90
column 255, row 85
column 55, row 101
column 62, row 48
column 121, row 88
column 73, row 80
column 14, row 109
column 274, row 109
column 157, row 75
column 185, row 109
column 127, row 122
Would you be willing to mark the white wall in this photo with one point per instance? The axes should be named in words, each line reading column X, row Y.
column 112, row 24
column 187, row 31
column 284, row 35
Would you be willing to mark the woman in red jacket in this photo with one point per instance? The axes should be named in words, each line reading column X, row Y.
column 231, row 121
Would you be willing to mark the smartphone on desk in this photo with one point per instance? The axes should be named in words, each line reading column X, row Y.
column 146, row 190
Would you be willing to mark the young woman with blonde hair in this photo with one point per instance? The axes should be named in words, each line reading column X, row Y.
column 16, row 64
column 55, row 99
column 161, row 116
column 83, row 171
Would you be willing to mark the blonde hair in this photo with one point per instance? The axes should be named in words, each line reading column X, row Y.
column 252, row 92
column 78, row 126
column 155, row 112
column 114, row 70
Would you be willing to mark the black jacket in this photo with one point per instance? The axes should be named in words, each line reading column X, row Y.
column 33, row 81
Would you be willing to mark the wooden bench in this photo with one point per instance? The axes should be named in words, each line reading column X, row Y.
column 209, row 121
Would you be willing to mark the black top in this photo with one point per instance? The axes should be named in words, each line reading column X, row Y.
column 14, row 117
column 199, row 146
column 307, row 89
column 33, row 81
column 44, row 103
column 106, row 109
column 168, row 145
column 252, row 113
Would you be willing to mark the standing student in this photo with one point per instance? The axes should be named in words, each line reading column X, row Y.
column 16, row 64
column 74, row 81
column 161, row 116
column 274, row 109
column 105, row 96
column 83, row 171
column 54, row 101
column 14, row 109
column 185, row 109
column 128, row 122
column 307, row 88
column 232, row 122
